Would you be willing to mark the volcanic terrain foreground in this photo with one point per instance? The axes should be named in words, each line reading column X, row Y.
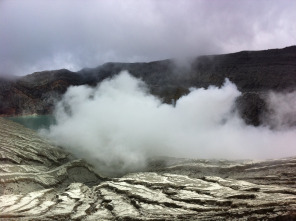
column 39, row 181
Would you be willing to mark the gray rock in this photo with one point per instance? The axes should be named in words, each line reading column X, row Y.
column 39, row 181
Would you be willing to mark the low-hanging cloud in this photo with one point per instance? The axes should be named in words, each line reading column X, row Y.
column 53, row 34
column 118, row 125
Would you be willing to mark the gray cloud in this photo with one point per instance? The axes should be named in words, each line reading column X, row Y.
column 37, row 35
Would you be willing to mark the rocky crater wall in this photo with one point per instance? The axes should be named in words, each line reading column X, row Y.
column 254, row 72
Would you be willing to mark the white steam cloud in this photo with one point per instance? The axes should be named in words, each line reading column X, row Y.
column 282, row 108
column 118, row 125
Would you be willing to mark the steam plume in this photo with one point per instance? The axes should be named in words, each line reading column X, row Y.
column 118, row 125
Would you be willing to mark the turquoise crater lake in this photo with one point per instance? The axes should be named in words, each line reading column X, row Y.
column 34, row 122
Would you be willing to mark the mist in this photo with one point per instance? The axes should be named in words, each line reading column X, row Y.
column 281, row 106
column 54, row 34
column 117, row 126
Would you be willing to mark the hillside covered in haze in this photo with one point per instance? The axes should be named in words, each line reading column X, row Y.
column 254, row 73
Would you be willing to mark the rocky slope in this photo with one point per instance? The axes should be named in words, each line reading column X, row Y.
column 254, row 72
column 39, row 181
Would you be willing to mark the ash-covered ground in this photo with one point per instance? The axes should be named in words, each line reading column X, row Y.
column 39, row 181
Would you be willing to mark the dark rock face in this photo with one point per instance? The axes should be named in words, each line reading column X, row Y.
column 35, row 93
column 39, row 181
column 254, row 73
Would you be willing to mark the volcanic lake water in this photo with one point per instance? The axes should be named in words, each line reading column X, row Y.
column 34, row 122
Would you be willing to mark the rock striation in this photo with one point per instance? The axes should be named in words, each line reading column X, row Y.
column 39, row 181
column 254, row 73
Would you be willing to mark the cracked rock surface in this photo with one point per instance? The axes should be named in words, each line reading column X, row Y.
column 39, row 181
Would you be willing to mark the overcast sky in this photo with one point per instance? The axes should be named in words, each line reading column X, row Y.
column 40, row 35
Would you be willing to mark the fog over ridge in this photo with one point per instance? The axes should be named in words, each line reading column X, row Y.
column 53, row 34
column 118, row 125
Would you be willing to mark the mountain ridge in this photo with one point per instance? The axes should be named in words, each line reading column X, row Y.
column 254, row 73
